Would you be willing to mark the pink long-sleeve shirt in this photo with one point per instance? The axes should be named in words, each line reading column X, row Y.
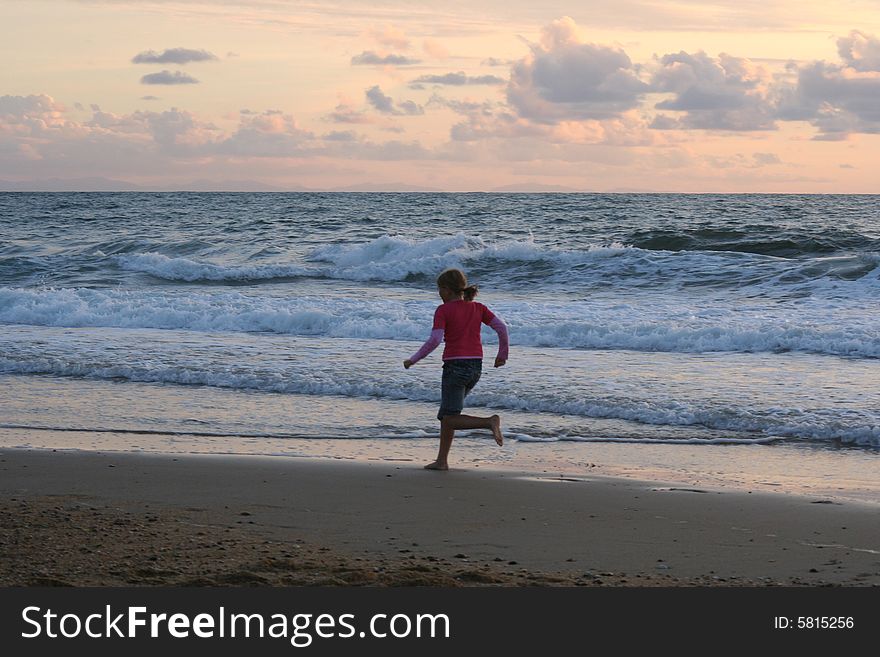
column 458, row 323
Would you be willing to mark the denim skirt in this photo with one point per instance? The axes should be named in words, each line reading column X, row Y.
column 459, row 378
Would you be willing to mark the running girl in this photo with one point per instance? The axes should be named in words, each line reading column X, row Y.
column 458, row 321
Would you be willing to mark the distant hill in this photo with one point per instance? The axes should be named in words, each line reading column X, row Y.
column 96, row 184
column 534, row 188
column 384, row 187
column 69, row 185
column 236, row 186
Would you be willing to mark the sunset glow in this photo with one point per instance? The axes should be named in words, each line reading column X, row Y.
column 630, row 95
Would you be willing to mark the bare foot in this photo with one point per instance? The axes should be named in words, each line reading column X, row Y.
column 436, row 466
column 496, row 429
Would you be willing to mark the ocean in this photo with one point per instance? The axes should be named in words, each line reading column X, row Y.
column 743, row 326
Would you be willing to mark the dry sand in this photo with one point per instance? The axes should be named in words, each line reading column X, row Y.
column 85, row 518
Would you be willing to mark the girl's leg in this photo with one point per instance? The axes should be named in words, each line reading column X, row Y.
column 450, row 423
column 447, row 433
column 473, row 422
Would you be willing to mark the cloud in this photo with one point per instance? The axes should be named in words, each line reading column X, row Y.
column 457, row 79
column 732, row 93
column 26, row 105
column 30, row 116
column 173, row 56
column 860, row 51
column 764, row 159
column 480, row 125
column 494, row 61
column 379, row 100
column 564, row 78
column 435, row 49
column 42, row 141
column 389, row 151
column 346, row 113
column 723, row 93
column 37, row 139
column 149, row 97
column 173, row 134
column 370, row 58
column 269, row 134
column 664, row 122
column 410, row 108
column 386, row 105
column 340, row 135
column 836, row 99
column 497, row 123
column 466, row 107
column 390, row 36
column 740, row 161
column 167, row 77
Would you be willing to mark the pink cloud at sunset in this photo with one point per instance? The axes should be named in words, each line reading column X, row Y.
column 437, row 99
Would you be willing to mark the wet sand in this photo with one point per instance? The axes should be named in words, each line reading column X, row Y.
column 115, row 519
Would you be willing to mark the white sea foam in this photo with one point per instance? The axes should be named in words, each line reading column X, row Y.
column 197, row 311
column 395, row 258
column 399, row 435
column 526, row 438
column 764, row 424
column 185, row 269
column 644, row 324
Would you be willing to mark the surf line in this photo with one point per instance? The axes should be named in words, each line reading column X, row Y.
column 153, row 432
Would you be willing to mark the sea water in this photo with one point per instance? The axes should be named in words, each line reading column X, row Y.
column 277, row 324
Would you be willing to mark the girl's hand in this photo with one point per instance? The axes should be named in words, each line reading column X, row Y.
column 407, row 364
column 499, row 362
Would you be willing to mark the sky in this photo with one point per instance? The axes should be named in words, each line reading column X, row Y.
column 594, row 95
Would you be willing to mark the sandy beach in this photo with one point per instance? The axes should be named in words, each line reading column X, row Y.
column 114, row 519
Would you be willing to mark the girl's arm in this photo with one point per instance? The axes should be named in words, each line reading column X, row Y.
column 498, row 325
column 429, row 346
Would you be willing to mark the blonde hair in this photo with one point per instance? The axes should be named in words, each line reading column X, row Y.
column 456, row 281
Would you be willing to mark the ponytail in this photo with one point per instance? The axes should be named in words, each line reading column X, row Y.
column 455, row 280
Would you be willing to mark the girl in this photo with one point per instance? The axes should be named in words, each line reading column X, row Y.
column 458, row 320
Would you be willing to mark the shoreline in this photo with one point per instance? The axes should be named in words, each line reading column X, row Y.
column 839, row 473
column 176, row 519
